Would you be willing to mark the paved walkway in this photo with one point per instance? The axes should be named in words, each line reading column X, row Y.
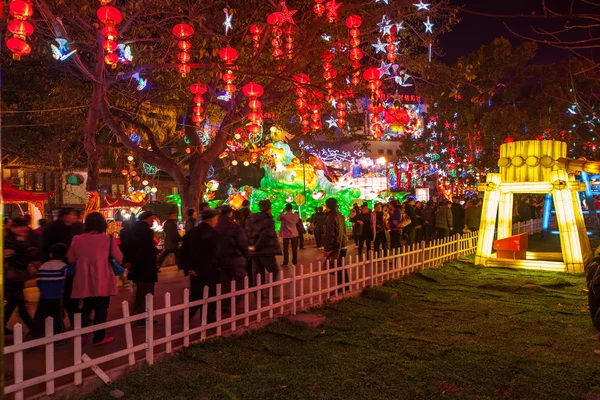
column 170, row 280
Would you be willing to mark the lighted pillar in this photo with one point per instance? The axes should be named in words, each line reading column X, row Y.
column 505, row 214
column 489, row 212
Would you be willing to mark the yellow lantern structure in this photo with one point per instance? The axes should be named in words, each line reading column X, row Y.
column 532, row 167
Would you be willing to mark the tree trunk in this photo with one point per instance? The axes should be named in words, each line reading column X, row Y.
column 192, row 193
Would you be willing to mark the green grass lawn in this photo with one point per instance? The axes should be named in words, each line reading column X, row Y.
column 460, row 332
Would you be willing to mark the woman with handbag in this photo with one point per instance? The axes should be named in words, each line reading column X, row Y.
column 96, row 256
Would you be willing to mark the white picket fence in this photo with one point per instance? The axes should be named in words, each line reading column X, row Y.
column 305, row 287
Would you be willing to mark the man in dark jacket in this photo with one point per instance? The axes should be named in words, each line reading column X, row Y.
column 524, row 211
column 394, row 224
column 62, row 231
column 336, row 240
column 246, row 212
column 264, row 244
column 200, row 253
column 428, row 218
column 473, row 216
column 234, row 251
column 141, row 253
column 366, row 231
column 172, row 238
column 18, row 270
column 190, row 222
column 318, row 222
column 458, row 215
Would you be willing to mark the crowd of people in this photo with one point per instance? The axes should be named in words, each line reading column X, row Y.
column 72, row 259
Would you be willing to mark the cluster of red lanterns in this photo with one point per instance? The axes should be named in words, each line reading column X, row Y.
column 198, row 89
column 229, row 55
column 21, row 11
column 182, row 32
column 276, row 32
column 315, row 105
column 253, row 91
column 329, row 74
column 353, row 22
column 289, row 31
column 300, row 81
column 341, row 109
column 111, row 17
column 375, row 108
column 256, row 31
column 391, row 45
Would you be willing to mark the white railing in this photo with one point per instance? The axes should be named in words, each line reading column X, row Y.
column 305, row 287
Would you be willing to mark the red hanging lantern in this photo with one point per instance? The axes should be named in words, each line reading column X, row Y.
column 289, row 30
column 183, row 31
column 319, row 8
column 109, row 16
column 228, row 54
column 256, row 31
column 20, row 10
column 253, row 90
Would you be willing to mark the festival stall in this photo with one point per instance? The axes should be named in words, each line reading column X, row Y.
column 34, row 201
column 111, row 206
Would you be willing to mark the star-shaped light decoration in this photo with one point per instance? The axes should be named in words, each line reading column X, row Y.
column 326, row 37
column 452, row 160
column 422, row 6
column 399, row 26
column 428, row 26
column 397, row 98
column 385, row 26
column 383, row 1
column 227, row 23
column 286, row 15
column 384, row 69
column 443, row 150
column 379, row 46
column 333, row 103
column 332, row 10
column 332, row 122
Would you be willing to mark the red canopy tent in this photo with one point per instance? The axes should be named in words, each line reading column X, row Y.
column 109, row 204
column 11, row 194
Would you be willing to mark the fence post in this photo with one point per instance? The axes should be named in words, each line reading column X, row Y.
column 457, row 245
column 293, row 288
column 18, row 359
column 370, row 269
column 49, row 355
column 186, row 317
column 77, row 351
column 422, row 255
column 128, row 333
column 149, row 329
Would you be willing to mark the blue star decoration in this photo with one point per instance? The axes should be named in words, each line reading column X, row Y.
column 428, row 26
column 227, row 24
column 385, row 25
column 422, row 6
column 379, row 46
column 383, row 1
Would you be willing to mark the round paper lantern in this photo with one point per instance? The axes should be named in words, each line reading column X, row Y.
column 109, row 15
column 20, row 28
column 353, row 21
column 301, row 79
column 184, row 69
column 253, row 89
column 228, row 54
column 20, row 9
column 18, row 47
column 110, row 32
column 371, row 74
column 109, row 45
column 198, row 88
column 111, row 59
column 183, row 31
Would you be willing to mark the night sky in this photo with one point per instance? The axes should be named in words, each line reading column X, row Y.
column 474, row 31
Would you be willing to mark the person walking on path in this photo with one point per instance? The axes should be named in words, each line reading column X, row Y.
column 379, row 227
column 191, row 220
column 428, row 218
column 301, row 231
column 318, row 226
column 458, row 215
column 142, row 256
column 18, row 270
column 473, row 216
column 366, row 235
column 172, row 239
column 200, row 255
column 336, row 241
column 264, row 244
column 356, row 227
column 51, row 283
column 94, row 281
column 289, row 232
column 234, row 252
column 411, row 212
column 443, row 220
column 62, row 231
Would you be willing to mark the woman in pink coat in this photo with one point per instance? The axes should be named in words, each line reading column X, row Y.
column 94, row 281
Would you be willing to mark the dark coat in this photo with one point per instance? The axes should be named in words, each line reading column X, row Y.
column 366, row 231
column 428, row 216
column 260, row 229
column 524, row 212
column 18, row 261
column 190, row 224
column 458, row 217
column 411, row 211
column 473, row 217
column 319, row 221
column 141, row 253
column 53, row 233
column 234, row 243
column 444, row 218
column 200, row 253
column 336, row 237
column 172, row 236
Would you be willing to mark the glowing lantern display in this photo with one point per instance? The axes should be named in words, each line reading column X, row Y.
column 229, row 55
column 353, row 22
column 256, row 31
column 332, row 10
column 182, row 32
column 198, row 89
column 20, row 10
column 110, row 17
column 253, row 91
column 319, row 8
column 276, row 32
column 300, row 82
